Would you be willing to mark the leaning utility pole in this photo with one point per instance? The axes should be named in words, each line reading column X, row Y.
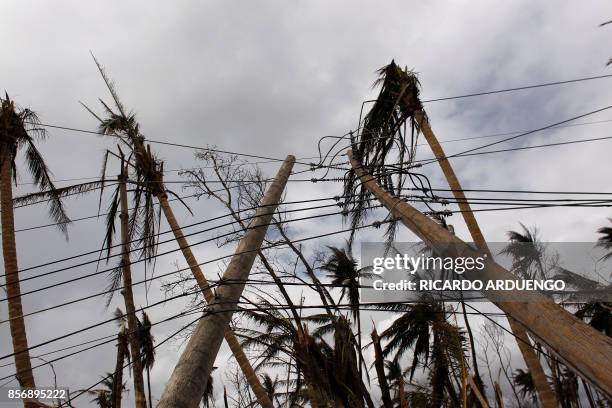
column 544, row 390
column 583, row 348
column 192, row 372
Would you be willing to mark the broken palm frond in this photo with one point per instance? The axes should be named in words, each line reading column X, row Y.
column 384, row 145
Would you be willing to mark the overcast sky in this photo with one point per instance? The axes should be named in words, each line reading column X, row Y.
column 270, row 78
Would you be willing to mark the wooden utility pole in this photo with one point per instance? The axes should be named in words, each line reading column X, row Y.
column 583, row 348
column 128, row 295
column 192, row 372
column 233, row 343
column 543, row 388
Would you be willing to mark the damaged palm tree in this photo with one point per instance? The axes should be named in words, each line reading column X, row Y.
column 383, row 145
column 20, row 129
column 399, row 102
column 561, row 332
column 147, row 178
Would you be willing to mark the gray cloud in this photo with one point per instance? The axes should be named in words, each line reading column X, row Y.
column 270, row 78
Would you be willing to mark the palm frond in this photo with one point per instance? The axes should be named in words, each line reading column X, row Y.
column 49, row 195
column 110, row 85
column 381, row 143
column 111, row 217
column 115, row 280
column 42, row 178
column 605, row 241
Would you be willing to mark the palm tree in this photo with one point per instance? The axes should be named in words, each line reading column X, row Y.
column 396, row 378
column 103, row 396
column 528, row 261
column 397, row 103
column 598, row 315
column 147, row 350
column 379, row 365
column 123, row 354
column 424, row 329
column 123, row 272
column 20, row 129
column 147, row 178
column 330, row 372
column 527, row 253
column 344, row 273
column 137, row 235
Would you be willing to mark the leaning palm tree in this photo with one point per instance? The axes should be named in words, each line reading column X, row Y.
column 397, row 104
column 424, row 330
column 137, row 235
column 147, row 178
column 20, row 129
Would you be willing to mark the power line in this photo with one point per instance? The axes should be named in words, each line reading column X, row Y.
column 344, row 162
column 513, row 191
column 518, row 204
column 520, row 88
column 465, row 152
column 236, row 212
column 595, row 139
column 433, row 200
column 167, row 252
column 447, row 212
column 507, row 133
column 367, row 306
column 271, row 159
column 160, row 254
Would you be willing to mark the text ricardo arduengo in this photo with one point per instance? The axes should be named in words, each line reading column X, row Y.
column 459, row 265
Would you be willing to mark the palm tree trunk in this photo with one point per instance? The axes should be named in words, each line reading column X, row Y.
column 198, row 358
column 230, row 338
column 117, row 392
column 23, row 365
column 545, row 392
column 379, row 364
column 361, row 362
column 559, row 330
column 128, row 295
column 149, row 387
column 403, row 402
column 477, row 391
column 478, row 381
